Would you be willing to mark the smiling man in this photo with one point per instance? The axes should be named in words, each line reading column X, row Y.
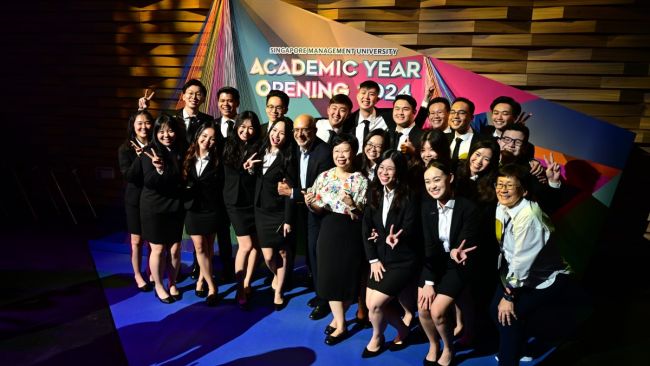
column 405, row 135
column 368, row 118
column 462, row 136
column 338, row 110
column 228, row 102
column 194, row 95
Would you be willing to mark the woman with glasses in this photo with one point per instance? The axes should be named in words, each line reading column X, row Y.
column 449, row 226
column 374, row 144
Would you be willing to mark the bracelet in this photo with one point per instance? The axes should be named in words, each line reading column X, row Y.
column 508, row 297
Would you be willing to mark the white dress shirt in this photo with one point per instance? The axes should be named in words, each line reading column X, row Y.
column 463, row 152
column 223, row 125
column 323, row 129
column 304, row 163
column 269, row 158
column 375, row 123
column 201, row 163
column 444, row 222
column 388, row 200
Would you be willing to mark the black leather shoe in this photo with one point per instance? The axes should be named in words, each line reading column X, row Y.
column 280, row 306
column 212, row 299
column 329, row 330
column 426, row 362
column 394, row 347
column 369, row 354
column 167, row 300
column 177, row 297
column 331, row 340
column 146, row 287
column 313, row 302
column 319, row 312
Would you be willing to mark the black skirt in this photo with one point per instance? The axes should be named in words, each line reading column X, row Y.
column 242, row 219
column 395, row 280
column 201, row 223
column 270, row 228
column 133, row 223
column 452, row 281
column 162, row 228
column 339, row 256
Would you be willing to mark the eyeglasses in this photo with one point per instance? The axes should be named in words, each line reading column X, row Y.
column 276, row 108
column 509, row 140
column 508, row 186
column 460, row 113
column 376, row 147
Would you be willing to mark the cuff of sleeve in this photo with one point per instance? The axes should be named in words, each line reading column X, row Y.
column 160, row 171
column 429, row 283
column 555, row 185
column 373, row 261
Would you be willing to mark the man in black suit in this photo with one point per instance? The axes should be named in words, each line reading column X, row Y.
column 228, row 102
column 277, row 105
column 194, row 95
column 406, row 135
column 314, row 157
column 338, row 111
column 462, row 136
column 367, row 117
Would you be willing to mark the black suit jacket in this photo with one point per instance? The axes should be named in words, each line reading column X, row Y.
column 320, row 160
column 415, row 136
column 189, row 134
column 464, row 226
column 131, row 169
column 350, row 124
column 406, row 218
column 238, row 186
column 266, row 188
column 202, row 192
column 162, row 192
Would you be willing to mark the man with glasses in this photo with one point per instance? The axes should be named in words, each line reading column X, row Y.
column 314, row 157
column 368, row 118
column 277, row 105
column 462, row 137
column 194, row 95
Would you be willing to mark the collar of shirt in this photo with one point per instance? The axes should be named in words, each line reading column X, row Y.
column 447, row 206
column 405, row 131
column 372, row 117
column 206, row 157
column 388, row 194
column 496, row 133
column 140, row 144
column 513, row 211
column 186, row 116
column 467, row 136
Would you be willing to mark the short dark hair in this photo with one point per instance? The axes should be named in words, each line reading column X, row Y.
column 229, row 90
column 518, row 127
column 195, row 82
column 515, row 171
column 469, row 103
column 369, row 84
column 280, row 94
column 341, row 99
column 407, row 98
column 442, row 100
column 342, row 138
column 516, row 107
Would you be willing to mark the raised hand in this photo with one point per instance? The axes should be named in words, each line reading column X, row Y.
column 407, row 147
column 250, row 163
column 553, row 172
column 537, row 170
column 392, row 239
column 373, row 236
column 431, row 92
column 156, row 160
column 523, row 117
column 284, row 189
column 143, row 103
column 377, row 271
column 136, row 147
column 459, row 255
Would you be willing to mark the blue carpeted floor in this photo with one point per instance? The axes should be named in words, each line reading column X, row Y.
column 190, row 333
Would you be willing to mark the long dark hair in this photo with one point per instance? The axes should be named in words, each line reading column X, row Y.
column 130, row 129
column 177, row 146
column 401, row 180
column 236, row 150
column 365, row 163
column 287, row 148
column 439, row 143
column 193, row 150
column 485, row 182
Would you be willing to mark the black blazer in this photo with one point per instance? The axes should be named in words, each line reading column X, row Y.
column 415, row 136
column 464, row 226
column 266, row 188
column 131, row 169
column 350, row 124
column 404, row 217
column 320, row 160
column 162, row 192
column 238, row 186
column 202, row 192
column 423, row 114
column 201, row 117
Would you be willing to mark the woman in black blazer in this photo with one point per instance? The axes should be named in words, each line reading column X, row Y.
column 274, row 213
column 390, row 232
column 238, row 196
column 137, row 137
column 203, row 179
column 161, row 206
column 449, row 226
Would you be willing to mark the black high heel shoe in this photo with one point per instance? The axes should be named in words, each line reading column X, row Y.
column 329, row 330
column 212, row 299
column 147, row 287
column 167, row 300
column 394, row 347
column 369, row 354
column 280, row 306
column 201, row 293
column 331, row 340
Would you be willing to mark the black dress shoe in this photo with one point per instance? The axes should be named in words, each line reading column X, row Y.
column 167, row 300
column 426, row 362
column 280, row 306
column 331, row 340
column 177, row 297
column 394, row 347
column 212, row 299
column 146, row 287
column 313, row 302
column 329, row 330
column 319, row 312
column 369, row 354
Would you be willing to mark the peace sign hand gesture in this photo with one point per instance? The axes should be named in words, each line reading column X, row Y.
column 459, row 255
column 143, row 103
column 393, row 239
column 156, row 161
column 552, row 170
column 136, row 147
column 250, row 163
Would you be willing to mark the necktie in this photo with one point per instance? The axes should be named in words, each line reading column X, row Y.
column 231, row 129
column 398, row 135
column 454, row 155
column 331, row 138
column 366, row 127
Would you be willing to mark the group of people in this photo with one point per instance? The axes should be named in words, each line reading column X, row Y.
column 405, row 213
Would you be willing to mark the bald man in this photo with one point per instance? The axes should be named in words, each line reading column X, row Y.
column 314, row 157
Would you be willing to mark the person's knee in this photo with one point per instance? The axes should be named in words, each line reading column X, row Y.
column 424, row 313
column 438, row 315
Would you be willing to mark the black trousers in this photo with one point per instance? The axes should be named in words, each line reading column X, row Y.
column 512, row 338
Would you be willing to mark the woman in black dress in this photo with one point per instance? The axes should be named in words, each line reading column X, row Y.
column 137, row 137
column 391, row 233
column 339, row 195
column 202, row 178
column 238, row 195
column 449, row 225
column 274, row 213
column 161, row 206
